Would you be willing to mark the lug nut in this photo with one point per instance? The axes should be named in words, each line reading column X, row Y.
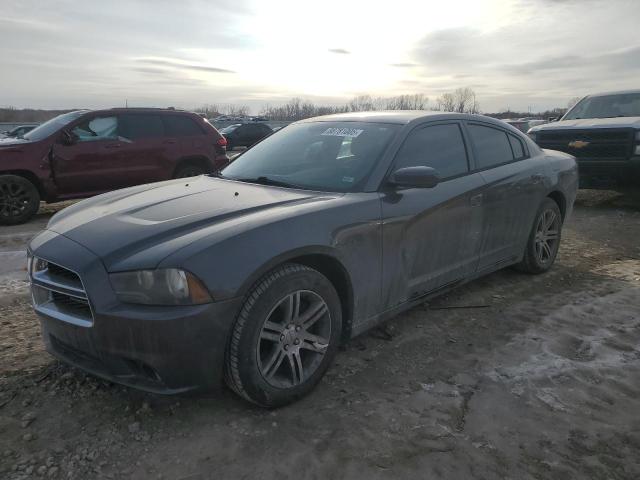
column 298, row 328
column 286, row 347
column 296, row 341
column 282, row 338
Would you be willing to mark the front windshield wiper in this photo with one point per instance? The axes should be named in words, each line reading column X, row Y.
column 614, row 116
column 264, row 180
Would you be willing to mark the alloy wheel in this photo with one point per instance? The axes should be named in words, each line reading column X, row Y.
column 14, row 199
column 547, row 236
column 294, row 339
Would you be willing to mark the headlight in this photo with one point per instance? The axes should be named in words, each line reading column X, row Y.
column 169, row 286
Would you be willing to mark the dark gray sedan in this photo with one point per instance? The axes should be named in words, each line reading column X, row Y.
column 316, row 234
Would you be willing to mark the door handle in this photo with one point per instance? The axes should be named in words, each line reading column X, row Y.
column 476, row 200
column 113, row 145
column 169, row 142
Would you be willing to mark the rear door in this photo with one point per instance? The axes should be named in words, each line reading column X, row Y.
column 93, row 163
column 190, row 138
column 143, row 148
column 515, row 186
column 431, row 235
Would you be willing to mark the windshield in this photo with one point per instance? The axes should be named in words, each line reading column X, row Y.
column 56, row 123
column 229, row 129
column 606, row 106
column 327, row 156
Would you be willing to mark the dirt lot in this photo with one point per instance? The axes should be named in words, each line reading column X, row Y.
column 540, row 379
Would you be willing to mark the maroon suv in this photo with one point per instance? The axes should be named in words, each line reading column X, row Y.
column 84, row 153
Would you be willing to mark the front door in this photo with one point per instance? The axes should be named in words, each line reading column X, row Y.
column 431, row 235
column 94, row 162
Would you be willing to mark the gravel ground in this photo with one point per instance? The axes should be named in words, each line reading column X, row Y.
column 512, row 376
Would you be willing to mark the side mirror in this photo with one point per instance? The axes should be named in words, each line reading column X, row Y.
column 415, row 177
column 68, row 138
column 553, row 119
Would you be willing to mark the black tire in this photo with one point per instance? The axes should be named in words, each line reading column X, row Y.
column 251, row 347
column 190, row 170
column 539, row 258
column 19, row 200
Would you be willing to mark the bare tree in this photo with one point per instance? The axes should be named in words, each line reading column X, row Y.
column 462, row 100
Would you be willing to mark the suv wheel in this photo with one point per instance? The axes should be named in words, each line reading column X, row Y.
column 285, row 336
column 19, row 199
column 544, row 239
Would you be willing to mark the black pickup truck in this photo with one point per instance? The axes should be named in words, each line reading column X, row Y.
column 603, row 132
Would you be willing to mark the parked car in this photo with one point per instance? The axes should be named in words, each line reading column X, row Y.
column 83, row 153
column 17, row 132
column 245, row 134
column 298, row 245
column 603, row 132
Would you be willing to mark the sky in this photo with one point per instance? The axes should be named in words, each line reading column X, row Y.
column 517, row 54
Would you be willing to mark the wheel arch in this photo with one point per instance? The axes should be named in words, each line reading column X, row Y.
column 558, row 197
column 325, row 261
column 31, row 177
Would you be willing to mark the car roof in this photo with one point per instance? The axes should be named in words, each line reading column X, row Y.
column 400, row 117
column 617, row 92
column 140, row 110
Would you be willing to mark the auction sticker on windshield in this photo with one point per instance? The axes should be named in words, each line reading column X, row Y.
column 342, row 132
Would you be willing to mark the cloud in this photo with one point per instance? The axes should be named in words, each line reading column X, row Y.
column 340, row 51
column 182, row 66
column 403, row 65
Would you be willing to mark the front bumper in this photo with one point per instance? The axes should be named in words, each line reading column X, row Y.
column 157, row 349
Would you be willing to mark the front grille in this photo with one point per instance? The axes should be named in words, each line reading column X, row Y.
column 608, row 144
column 58, row 292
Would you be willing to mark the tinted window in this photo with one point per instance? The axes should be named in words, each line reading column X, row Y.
column 181, row 126
column 516, row 145
column 492, row 146
column 141, row 126
column 96, row 128
column 439, row 146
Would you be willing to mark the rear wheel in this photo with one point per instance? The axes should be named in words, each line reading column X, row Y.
column 544, row 239
column 19, row 200
column 285, row 337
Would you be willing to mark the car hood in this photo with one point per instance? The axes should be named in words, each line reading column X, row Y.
column 583, row 123
column 138, row 227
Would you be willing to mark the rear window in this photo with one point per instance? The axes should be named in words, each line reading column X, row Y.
column 492, row 146
column 181, row 126
column 141, row 126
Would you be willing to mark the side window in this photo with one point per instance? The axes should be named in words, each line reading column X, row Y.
column 134, row 126
column 181, row 126
column 516, row 145
column 96, row 128
column 439, row 146
column 492, row 146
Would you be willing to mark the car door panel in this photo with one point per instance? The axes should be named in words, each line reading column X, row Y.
column 513, row 191
column 512, row 196
column 430, row 237
column 93, row 163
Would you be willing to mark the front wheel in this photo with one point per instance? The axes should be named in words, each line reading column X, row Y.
column 19, row 200
column 285, row 336
column 544, row 239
